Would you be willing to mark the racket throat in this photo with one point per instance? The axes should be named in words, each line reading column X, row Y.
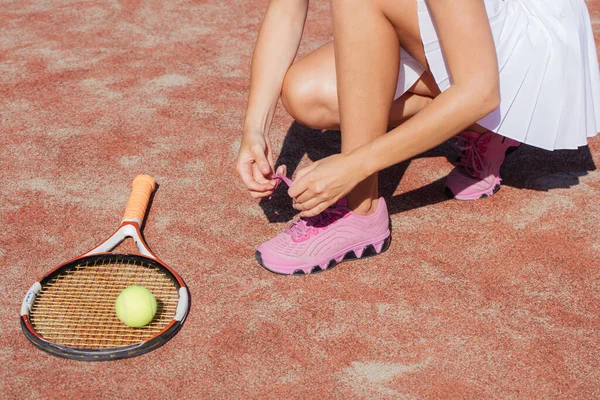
column 128, row 229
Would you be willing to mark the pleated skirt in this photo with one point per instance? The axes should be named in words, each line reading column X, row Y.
column 548, row 66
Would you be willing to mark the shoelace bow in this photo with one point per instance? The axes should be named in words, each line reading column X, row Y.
column 471, row 159
column 304, row 227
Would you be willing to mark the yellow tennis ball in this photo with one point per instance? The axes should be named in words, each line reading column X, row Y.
column 136, row 306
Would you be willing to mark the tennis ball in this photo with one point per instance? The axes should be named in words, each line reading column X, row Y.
column 136, row 306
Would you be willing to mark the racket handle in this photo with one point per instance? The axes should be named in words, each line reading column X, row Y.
column 142, row 188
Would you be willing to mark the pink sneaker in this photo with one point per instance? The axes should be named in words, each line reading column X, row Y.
column 477, row 175
column 314, row 244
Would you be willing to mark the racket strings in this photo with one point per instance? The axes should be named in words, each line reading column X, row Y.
column 77, row 307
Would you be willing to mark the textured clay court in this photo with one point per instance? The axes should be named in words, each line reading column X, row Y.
column 498, row 298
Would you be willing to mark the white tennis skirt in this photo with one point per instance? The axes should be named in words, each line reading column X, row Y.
column 549, row 77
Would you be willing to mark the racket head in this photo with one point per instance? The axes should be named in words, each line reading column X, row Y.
column 70, row 312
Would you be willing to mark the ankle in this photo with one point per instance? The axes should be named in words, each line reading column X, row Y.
column 364, row 206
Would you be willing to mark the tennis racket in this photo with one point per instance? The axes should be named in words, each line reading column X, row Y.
column 70, row 311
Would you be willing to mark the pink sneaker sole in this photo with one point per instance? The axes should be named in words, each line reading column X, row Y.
column 493, row 190
column 359, row 251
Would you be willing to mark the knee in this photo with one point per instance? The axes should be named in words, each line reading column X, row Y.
column 309, row 101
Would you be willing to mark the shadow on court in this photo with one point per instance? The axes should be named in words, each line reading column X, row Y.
column 527, row 168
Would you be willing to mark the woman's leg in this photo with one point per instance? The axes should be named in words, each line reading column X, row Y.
column 310, row 92
column 310, row 96
column 367, row 34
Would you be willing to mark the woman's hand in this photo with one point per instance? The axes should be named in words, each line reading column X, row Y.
column 324, row 182
column 255, row 164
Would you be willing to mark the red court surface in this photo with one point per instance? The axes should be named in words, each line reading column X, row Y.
column 497, row 298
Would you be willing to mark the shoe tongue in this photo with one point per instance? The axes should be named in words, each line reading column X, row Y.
column 470, row 135
column 343, row 202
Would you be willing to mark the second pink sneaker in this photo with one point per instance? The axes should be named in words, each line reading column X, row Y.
column 311, row 245
column 477, row 175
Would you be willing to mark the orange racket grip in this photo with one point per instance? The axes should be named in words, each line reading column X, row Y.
column 142, row 188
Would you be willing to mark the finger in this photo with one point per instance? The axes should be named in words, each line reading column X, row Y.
column 316, row 210
column 299, row 187
column 301, row 173
column 270, row 153
column 245, row 172
column 270, row 159
column 296, row 190
column 259, row 157
column 307, row 196
column 302, row 181
column 308, row 204
column 258, row 195
column 258, row 176
column 281, row 170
